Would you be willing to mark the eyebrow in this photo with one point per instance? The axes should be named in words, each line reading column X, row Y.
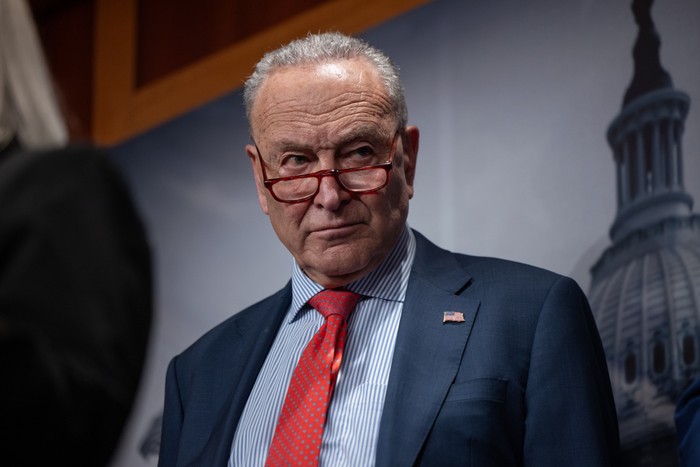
column 362, row 132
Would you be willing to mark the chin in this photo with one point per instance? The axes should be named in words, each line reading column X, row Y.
column 336, row 274
column 339, row 270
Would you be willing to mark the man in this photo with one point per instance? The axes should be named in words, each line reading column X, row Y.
column 450, row 359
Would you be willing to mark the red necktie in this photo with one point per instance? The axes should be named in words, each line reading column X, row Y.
column 297, row 438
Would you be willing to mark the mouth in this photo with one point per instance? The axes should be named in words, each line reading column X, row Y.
column 331, row 232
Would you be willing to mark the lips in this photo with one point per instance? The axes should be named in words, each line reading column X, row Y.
column 336, row 230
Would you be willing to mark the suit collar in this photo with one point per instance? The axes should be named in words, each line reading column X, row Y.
column 439, row 267
column 427, row 354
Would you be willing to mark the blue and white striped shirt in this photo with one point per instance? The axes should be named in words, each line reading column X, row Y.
column 352, row 426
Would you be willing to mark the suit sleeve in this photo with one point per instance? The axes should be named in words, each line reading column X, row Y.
column 571, row 417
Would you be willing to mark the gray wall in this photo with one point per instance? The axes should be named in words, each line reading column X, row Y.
column 513, row 100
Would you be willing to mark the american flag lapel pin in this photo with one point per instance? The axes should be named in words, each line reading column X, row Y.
column 452, row 317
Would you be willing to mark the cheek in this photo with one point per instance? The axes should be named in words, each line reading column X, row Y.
column 286, row 219
column 398, row 194
column 390, row 210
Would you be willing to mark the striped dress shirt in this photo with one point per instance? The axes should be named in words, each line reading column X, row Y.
column 352, row 425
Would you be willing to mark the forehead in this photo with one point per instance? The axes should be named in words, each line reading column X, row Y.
column 321, row 101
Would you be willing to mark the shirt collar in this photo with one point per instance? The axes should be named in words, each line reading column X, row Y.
column 389, row 281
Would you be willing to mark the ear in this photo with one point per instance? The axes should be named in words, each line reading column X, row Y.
column 410, row 151
column 257, row 175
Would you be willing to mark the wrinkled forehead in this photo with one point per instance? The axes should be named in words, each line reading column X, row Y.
column 320, row 94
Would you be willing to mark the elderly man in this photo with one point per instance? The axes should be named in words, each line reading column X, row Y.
column 383, row 349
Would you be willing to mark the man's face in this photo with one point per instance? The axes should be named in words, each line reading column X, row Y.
column 319, row 114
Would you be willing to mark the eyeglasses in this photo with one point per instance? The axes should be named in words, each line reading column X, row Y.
column 357, row 180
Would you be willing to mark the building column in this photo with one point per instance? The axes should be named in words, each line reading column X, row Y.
column 627, row 172
column 672, row 161
column 657, row 158
column 679, row 151
column 641, row 178
column 619, row 175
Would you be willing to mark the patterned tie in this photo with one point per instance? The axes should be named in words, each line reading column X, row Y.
column 297, row 438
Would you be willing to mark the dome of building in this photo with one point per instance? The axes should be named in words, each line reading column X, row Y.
column 645, row 288
column 645, row 296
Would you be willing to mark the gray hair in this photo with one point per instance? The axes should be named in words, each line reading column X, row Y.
column 324, row 48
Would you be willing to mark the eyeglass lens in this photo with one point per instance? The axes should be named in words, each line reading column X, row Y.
column 366, row 179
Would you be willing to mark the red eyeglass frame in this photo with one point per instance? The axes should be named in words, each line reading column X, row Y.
column 335, row 173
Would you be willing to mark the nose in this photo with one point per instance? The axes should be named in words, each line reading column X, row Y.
column 330, row 194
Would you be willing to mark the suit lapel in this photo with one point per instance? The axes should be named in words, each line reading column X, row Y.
column 255, row 337
column 427, row 354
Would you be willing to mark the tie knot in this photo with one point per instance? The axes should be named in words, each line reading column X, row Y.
column 334, row 302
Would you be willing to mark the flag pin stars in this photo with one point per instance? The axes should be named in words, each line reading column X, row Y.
column 452, row 317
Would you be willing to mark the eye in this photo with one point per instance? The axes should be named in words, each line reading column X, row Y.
column 294, row 160
column 365, row 151
column 361, row 154
column 294, row 164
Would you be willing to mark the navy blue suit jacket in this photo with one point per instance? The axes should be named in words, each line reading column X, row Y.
column 523, row 381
